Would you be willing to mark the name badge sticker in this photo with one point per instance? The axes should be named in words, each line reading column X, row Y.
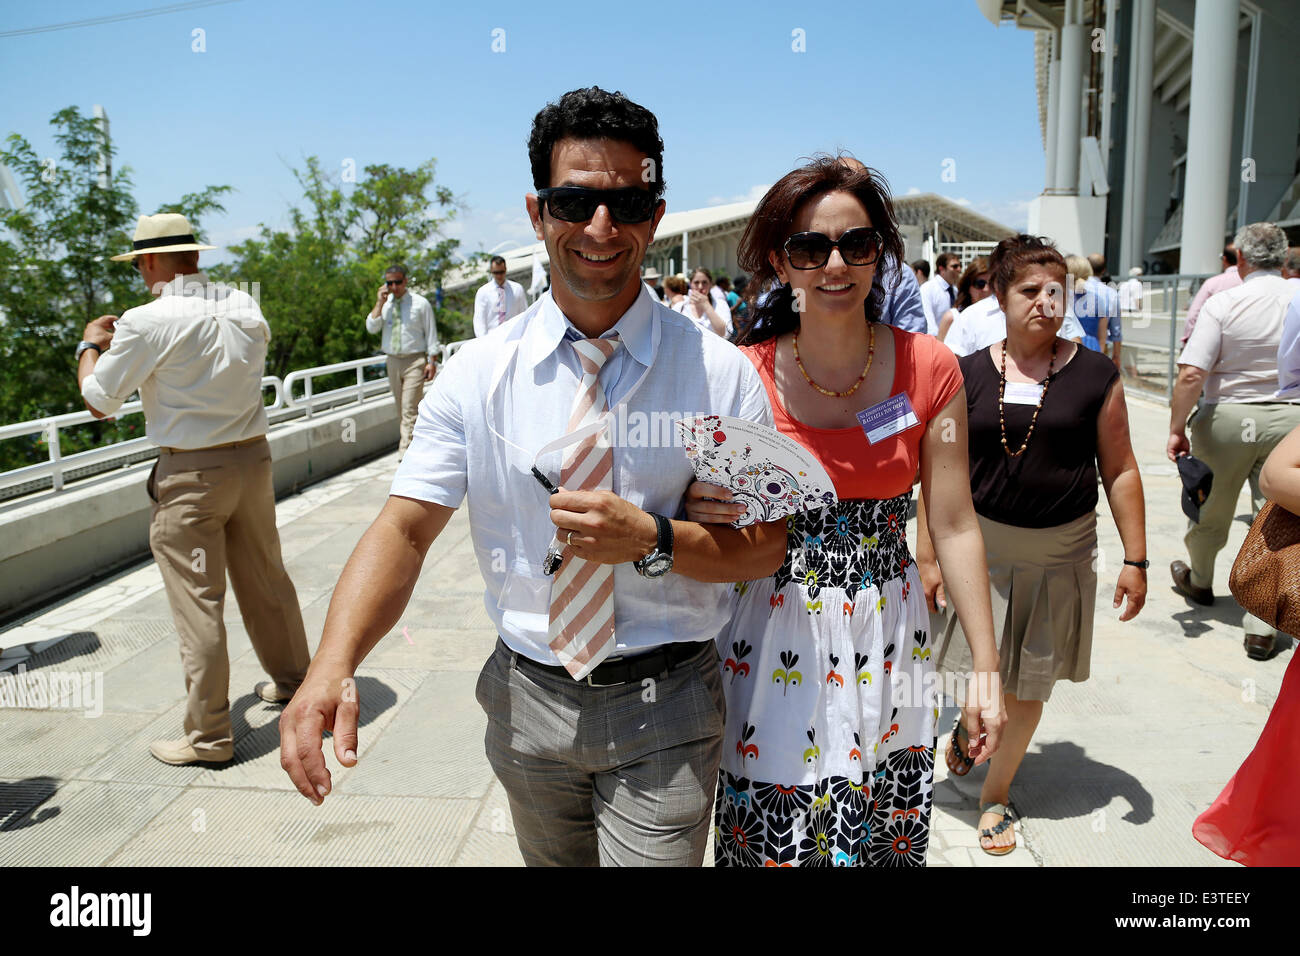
column 888, row 418
column 1022, row 393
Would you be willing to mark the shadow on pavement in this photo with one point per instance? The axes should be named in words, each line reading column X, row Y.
column 253, row 742
column 19, row 800
column 74, row 645
column 1047, row 774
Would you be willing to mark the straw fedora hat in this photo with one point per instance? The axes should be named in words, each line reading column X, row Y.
column 651, row 274
column 165, row 232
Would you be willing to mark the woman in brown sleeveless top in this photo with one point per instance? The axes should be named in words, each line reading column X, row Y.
column 1044, row 417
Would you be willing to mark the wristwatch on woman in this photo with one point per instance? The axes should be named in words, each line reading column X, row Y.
column 88, row 345
column 1143, row 564
column 659, row 561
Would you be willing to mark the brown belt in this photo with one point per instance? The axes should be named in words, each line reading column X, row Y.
column 229, row 444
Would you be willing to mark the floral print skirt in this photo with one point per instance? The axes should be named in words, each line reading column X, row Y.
column 832, row 700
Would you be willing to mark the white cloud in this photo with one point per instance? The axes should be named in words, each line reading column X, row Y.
column 484, row 229
column 913, row 191
column 1013, row 213
column 234, row 235
column 755, row 193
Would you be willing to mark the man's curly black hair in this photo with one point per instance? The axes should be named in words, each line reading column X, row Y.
column 593, row 113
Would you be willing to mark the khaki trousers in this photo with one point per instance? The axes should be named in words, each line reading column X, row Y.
column 213, row 513
column 1233, row 440
column 406, row 379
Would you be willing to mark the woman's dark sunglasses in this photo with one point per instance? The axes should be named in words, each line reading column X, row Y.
column 812, row 250
column 578, row 204
column 979, row 283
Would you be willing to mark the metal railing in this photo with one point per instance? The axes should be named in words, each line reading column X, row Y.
column 358, row 392
column 53, row 473
column 1149, row 354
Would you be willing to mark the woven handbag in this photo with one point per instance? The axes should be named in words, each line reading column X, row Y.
column 1265, row 577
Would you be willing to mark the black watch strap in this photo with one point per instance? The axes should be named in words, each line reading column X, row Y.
column 665, row 529
column 1143, row 564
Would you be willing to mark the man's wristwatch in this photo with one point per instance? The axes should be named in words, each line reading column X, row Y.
column 99, row 350
column 1143, row 564
column 659, row 561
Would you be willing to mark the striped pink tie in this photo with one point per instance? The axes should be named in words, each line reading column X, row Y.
column 582, row 594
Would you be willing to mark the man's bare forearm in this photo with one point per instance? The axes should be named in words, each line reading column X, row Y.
column 718, row 553
column 1187, row 389
column 372, row 592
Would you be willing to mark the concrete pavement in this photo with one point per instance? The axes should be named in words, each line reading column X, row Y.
column 1119, row 768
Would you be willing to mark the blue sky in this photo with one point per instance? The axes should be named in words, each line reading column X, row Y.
column 904, row 85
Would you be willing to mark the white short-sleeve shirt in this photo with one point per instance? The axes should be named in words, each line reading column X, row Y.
column 504, row 396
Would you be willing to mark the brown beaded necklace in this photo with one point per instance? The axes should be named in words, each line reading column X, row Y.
column 871, row 351
column 1002, row 390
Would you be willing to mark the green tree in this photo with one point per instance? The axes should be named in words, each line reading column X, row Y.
column 58, row 275
column 316, row 279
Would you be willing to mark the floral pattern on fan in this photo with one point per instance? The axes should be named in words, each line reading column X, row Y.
column 771, row 474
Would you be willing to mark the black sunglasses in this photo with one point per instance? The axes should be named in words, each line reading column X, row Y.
column 812, row 250
column 979, row 283
column 578, row 204
column 394, row 281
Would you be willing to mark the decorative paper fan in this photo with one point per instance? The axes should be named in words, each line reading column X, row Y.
column 774, row 476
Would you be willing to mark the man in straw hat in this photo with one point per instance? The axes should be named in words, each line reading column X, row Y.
column 196, row 354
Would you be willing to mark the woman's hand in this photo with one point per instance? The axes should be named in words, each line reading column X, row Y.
column 932, row 581
column 700, row 508
column 984, row 715
column 1133, row 583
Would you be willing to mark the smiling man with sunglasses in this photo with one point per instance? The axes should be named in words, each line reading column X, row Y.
column 603, row 695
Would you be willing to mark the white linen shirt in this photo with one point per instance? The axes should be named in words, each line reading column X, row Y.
column 980, row 325
column 502, row 397
column 196, row 353
column 935, row 301
column 485, row 305
column 702, row 322
column 1236, row 340
column 418, row 331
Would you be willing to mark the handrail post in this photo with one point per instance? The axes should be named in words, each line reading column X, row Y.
column 361, row 384
column 306, row 394
column 1173, row 333
column 56, row 454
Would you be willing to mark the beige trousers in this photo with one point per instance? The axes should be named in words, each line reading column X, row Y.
column 1233, row 440
column 213, row 513
column 406, row 379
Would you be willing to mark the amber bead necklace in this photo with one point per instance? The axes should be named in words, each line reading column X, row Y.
column 871, row 351
column 1002, row 390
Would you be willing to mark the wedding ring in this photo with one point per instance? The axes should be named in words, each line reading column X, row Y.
column 569, row 539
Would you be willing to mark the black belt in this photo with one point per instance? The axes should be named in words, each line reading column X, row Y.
column 627, row 670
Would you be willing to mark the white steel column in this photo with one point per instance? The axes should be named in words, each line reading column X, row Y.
column 1070, row 98
column 1209, row 135
column 1053, row 107
column 1136, row 136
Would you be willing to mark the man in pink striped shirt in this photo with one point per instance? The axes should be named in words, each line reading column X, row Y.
column 1227, row 279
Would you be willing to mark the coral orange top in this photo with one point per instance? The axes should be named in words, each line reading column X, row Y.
column 924, row 368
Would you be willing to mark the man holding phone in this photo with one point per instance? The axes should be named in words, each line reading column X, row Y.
column 410, row 340
column 604, row 696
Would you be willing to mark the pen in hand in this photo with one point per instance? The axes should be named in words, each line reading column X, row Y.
column 554, row 554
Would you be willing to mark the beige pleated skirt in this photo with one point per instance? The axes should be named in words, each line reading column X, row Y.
column 1043, row 584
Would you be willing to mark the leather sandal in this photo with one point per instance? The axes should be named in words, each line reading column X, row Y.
column 959, row 763
column 993, row 831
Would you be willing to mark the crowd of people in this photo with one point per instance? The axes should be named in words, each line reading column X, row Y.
column 663, row 670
